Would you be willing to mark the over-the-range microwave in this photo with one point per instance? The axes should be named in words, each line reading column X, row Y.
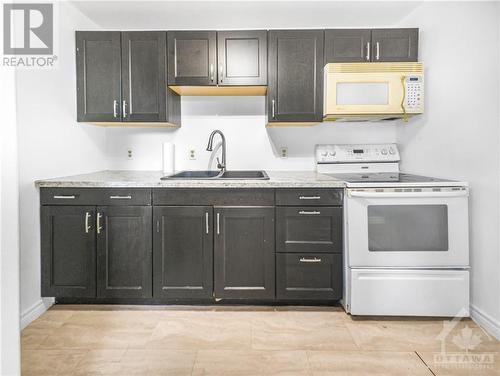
column 373, row 91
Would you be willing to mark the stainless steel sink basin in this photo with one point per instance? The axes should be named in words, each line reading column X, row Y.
column 227, row 175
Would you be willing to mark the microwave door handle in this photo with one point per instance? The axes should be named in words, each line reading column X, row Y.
column 462, row 193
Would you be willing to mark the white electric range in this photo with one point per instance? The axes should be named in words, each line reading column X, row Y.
column 406, row 237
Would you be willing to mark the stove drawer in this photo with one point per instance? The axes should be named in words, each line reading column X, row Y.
column 309, row 276
column 309, row 229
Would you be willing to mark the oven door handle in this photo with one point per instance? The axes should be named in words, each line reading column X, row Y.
column 462, row 193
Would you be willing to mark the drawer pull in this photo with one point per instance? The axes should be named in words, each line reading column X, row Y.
column 303, row 259
column 315, row 212
column 72, row 197
column 309, row 197
column 120, row 197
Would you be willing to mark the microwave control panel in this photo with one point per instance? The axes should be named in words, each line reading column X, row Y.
column 326, row 154
column 414, row 96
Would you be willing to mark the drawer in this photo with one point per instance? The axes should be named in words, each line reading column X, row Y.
column 308, row 229
column 310, row 276
column 214, row 196
column 309, row 196
column 95, row 196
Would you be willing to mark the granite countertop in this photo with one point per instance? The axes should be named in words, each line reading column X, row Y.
column 151, row 179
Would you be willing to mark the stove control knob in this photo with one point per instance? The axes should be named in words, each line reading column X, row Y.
column 324, row 153
column 332, row 153
column 384, row 151
column 392, row 151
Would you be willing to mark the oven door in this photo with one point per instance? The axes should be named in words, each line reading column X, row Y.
column 407, row 229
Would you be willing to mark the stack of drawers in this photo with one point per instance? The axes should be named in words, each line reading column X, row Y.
column 309, row 244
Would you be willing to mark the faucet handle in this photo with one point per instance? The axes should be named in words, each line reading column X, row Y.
column 218, row 162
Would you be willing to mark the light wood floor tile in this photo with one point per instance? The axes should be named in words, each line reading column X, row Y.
column 301, row 331
column 202, row 330
column 357, row 363
column 100, row 362
column 50, row 362
column 160, row 362
column 252, row 362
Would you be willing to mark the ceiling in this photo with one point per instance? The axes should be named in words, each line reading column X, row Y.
column 243, row 14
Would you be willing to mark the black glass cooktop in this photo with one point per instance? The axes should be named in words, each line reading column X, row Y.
column 384, row 177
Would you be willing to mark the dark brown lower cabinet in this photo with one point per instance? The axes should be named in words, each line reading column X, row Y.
column 309, row 276
column 183, row 252
column 124, row 251
column 68, row 251
column 244, row 258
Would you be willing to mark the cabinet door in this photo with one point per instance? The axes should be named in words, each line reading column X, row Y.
column 310, row 276
column 347, row 45
column 242, row 57
column 395, row 45
column 309, row 229
column 192, row 58
column 244, row 253
column 124, row 253
column 295, row 63
column 68, row 251
column 183, row 252
column 98, row 75
column 143, row 75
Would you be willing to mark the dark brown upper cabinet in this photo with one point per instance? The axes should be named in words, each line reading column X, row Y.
column 121, row 78
column 98, row 75
column 192, row 57
column 365, row 45
column 242, row 57
column 395, row 45
column 347, row 45
column 295, row 66
column 143, row 76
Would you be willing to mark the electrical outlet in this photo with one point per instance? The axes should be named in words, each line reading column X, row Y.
column 283, row 152
column 130, row 154
column 192, row 154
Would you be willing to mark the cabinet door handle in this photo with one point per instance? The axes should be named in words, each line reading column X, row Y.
column 206, row 222
column 314, row 259
column 309, row 197
column 377, row 55
column 367, row 51
column 124, row 108
column 315, row 212
column 120, row 197
column 221, row 69
column 65, row 197
column 218, row 224
column 87, row 226
column 98, row 226
column 212, row 72
column 115, row 111
column 273, row 109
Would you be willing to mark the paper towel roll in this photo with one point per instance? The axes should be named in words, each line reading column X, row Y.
column 168, row 158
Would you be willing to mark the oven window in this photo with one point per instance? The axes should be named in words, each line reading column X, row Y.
column 362, row 93
column 407, row 228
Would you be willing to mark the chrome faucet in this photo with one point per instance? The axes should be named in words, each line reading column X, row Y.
column 220, row 165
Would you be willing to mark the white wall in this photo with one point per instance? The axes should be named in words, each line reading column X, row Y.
column 51, row 143
column 249, row 144
column 9, row 229
column 458, row 137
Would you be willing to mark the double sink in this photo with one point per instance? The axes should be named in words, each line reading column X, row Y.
column 226, row 175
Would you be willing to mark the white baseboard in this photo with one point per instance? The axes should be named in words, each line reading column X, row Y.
column 35, row 311
column 484, row 320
